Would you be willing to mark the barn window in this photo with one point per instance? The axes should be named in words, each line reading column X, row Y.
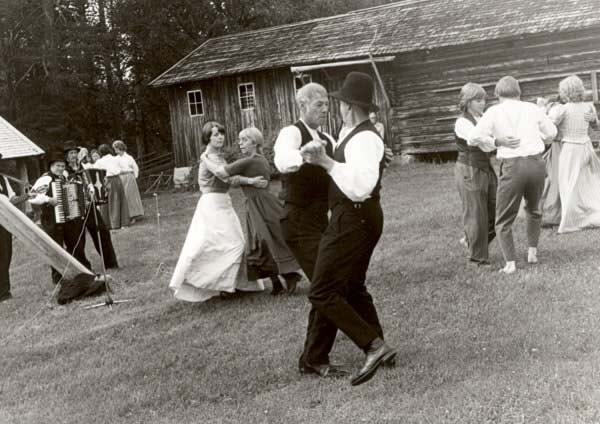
column 246, row 92
column 195, row 102
column 300, row 80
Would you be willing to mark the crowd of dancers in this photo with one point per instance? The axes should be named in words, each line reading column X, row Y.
column 331, row 218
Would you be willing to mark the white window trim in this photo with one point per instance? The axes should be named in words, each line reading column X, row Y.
column 253, row 96
column 187, row 95
column 301, row 77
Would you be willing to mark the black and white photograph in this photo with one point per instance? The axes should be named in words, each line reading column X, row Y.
column 292, row 211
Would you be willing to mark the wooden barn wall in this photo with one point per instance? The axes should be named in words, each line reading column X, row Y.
column 424, row 86
column 274, row 107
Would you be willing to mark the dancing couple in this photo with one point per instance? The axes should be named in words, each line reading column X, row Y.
column 216, row 258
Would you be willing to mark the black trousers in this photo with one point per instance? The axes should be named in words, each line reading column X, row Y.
column 338, row 293
column 5, row 258
column 67, row 235
column 302, row 229
column 110, row 257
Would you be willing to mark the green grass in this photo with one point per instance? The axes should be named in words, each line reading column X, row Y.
column 474, row 346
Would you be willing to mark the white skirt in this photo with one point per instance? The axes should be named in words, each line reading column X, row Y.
column 212, row 258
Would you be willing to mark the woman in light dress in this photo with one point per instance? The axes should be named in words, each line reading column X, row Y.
column 116, row 212
column 267, row 253
column 578, row 165
column 212, row 259
column 129, row 173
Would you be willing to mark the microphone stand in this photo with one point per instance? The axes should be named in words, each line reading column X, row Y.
column 108, row 301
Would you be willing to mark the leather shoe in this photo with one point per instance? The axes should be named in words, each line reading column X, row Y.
column 376, row 356
column 5, row 296
column 291, row 283
column 324, row 370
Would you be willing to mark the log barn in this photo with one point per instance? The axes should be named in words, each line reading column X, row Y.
column 420, row 51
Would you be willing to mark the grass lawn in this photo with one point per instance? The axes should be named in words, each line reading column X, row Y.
column 474, row 346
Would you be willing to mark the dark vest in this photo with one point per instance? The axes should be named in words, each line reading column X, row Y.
column 310, row 183
column 335, row 194
column 471, row 155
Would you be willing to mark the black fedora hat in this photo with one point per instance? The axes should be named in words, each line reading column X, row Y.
column 70, row 145
column 358, row 89
column 54, row 155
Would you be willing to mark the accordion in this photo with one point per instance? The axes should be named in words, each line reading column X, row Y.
column 71, row 201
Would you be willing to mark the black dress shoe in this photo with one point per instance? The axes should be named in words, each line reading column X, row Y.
column 324, row 370
column 377, row 355
column 5, row 296
column 277, row 287
column 291, row 282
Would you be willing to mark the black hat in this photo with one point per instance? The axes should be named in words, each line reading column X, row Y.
column 70, row 145
column 358, row 89
column 54, row 156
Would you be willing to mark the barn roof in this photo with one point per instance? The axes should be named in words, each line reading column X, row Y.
column 400, row 27
column 14, row 144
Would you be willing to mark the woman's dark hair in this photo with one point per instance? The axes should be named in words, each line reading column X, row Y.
column 207, row 131
column 105, row 149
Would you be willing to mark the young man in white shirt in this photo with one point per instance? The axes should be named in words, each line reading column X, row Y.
column 522, row 169
column 338, row 291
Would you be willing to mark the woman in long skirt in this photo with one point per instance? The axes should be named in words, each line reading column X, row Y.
column 129, row 173
column 268, row 254
column 212, row 259
column 117, row 212
column 579, row 167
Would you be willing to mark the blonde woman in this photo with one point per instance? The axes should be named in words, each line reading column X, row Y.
column 129, row 173
column 267, row 254
column 578, row 165
column 475, row 177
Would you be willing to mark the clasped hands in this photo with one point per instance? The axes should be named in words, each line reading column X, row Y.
column 314, row 153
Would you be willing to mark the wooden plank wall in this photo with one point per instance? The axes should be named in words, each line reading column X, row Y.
column 424, row 86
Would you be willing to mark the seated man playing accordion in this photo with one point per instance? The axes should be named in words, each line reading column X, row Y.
column 66, row 227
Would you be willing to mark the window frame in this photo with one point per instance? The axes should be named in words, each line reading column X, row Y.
column 246, row 84
column 195, row 103
column 301, row 78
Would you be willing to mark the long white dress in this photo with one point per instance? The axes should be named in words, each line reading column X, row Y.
column 578, row 169
column 212, row 259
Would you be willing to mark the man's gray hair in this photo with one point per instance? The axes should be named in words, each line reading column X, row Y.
column 308, row 92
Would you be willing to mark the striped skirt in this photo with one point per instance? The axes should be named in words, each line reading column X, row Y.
column 132, row 194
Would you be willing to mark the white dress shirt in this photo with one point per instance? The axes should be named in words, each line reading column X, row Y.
column 10, row 192
column 514, row 118
column 127, row 164
column 358, row 176
column 287, row 147
column 40, row 188
column 110, row 164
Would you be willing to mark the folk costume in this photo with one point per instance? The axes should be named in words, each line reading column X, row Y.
column 522, row 169
column 578, row 168
column 267, row 254
column 5, row 245
column 304, row 191
column 116, row 213
column 212, row 258
column 129, row 174
column 477, row 184
column 70, row 234
column 338, row 287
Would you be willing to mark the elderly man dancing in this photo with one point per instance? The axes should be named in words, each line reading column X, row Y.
column 338, row 291
column 522, row 169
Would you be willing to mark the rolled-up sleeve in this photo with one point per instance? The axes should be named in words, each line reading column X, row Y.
column 287, row 150
column 357, row 177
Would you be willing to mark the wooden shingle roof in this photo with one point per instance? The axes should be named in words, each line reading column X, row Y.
column 14, row 144
column 405, row 26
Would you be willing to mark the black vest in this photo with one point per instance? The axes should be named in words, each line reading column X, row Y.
column 471, row 155
column 335, row 194
column 310, row 183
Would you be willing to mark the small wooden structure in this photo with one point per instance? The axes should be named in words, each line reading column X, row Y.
column 14, row 145
column 423, row 50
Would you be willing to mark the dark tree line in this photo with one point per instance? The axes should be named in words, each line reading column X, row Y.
column 79, row 69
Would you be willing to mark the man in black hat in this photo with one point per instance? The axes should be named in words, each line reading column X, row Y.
column 338, row 291
column 70, row 233
column 5, row 243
